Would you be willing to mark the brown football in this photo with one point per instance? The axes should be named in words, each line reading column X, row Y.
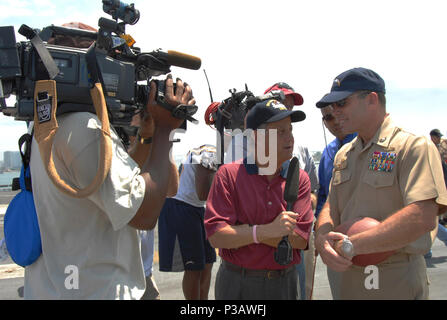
column 358, row 225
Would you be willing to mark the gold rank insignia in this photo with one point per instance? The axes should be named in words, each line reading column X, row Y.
column 341, row 164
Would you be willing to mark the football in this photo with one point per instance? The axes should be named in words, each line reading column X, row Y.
column 358, row 225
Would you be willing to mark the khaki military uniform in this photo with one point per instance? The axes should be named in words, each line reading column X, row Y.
column 442, row 147
column 393, row 170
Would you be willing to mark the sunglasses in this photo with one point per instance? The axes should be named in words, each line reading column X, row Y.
column 328, row 117
column 342, row 103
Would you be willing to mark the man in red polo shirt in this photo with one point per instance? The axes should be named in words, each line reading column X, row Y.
column 246, row 213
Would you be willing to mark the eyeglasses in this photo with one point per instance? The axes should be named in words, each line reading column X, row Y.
column 281, row 85
column 342, row 103
column 328, row 117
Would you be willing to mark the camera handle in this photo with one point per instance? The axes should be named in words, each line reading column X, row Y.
column 182, row 111
column 46, row 126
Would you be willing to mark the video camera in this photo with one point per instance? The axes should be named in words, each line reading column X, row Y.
column 119, row 64
column 231, row 113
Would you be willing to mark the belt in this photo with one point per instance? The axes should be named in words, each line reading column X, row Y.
column 261, row 273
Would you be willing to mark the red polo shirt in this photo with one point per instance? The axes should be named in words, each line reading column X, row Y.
column 239, row 195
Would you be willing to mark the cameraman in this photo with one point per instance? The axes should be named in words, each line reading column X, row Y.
column 90, row 246
column 147, row 237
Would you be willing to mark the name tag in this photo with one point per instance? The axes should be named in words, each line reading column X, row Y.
column 382, row 161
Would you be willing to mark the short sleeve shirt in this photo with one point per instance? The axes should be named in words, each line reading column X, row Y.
column 89, row 250
column 204, row 155
column 443, row 150
column 393, row 170
column 326, row 167
column 239, row 195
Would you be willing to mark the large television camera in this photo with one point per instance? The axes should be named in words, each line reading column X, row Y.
column 120, row 66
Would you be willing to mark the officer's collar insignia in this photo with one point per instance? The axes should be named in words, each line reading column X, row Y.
column 341, row 164
column 382, row 161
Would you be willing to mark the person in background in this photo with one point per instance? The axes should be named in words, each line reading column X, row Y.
column 181, row 229
column 327, row 159
column 246, row 213
column 441, row 144
column 306, row 266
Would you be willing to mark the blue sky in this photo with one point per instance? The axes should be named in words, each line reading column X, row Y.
column 304, row 43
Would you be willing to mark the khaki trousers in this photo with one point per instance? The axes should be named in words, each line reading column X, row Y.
column 401, row 277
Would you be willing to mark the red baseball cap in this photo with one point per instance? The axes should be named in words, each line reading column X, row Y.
column 288, row 90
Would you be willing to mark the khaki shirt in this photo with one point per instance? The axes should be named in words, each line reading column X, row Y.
column 442, row 147
column 393, row 170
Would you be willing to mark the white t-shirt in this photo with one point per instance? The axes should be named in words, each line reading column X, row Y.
column 147, row 250
column 89, row 250
column 205, row 156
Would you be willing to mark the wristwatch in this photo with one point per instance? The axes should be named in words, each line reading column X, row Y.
column 142, row 140
column 347, row 248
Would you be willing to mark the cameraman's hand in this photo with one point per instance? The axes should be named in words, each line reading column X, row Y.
column 161, row 116
column 146, row 124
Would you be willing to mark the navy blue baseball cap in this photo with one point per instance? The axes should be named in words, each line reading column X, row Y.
column 270, row 111
column 351, row 81
column 436, row 132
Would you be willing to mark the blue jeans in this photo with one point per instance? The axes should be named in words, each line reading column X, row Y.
column 302, row 277
column 441, row 235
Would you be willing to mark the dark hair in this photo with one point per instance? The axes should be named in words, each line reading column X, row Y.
column 382, row 98
column 380, row 95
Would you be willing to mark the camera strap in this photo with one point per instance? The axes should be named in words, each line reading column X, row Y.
column 46, row 126
column 43, row 52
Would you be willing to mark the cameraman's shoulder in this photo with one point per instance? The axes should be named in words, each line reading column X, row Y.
column 79, row 128
column 80, row 121
column 76, row 119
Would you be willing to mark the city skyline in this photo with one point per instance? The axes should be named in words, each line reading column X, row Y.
column 10, row 160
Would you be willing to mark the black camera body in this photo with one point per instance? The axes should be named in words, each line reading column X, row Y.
column 73, row 86
column 120, row 65
column 232, row 111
